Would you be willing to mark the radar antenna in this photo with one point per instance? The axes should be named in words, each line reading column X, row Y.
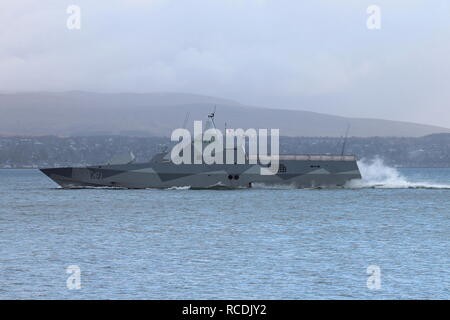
column 211, row 116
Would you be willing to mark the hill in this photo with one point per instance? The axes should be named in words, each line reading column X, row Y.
column 157, row 114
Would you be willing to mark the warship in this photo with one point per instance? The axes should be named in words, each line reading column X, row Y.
column 294, row 170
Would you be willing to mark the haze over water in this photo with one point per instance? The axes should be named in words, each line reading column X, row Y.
column 261, row 243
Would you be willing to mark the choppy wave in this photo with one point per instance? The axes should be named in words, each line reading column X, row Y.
column 260, row 185
column 179, row 188
column 375, row 174
column 89, row 187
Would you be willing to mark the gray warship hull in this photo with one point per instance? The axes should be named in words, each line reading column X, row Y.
column 298, row 171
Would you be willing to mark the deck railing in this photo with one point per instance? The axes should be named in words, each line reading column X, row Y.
column 310, row 157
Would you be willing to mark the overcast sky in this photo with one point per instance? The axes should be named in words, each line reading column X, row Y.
column 310, row 55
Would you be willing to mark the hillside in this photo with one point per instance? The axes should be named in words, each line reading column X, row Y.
column 157, row 114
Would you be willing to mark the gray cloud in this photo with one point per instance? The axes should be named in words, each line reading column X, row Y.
column 316, row 56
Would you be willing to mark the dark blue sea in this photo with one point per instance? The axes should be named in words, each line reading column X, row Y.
column 261, row 243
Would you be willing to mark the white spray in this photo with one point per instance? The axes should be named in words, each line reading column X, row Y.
column 375, row 174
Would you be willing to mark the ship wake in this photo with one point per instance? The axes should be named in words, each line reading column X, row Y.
column 375, row 174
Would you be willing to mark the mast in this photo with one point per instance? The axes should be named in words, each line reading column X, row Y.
column 345, row 140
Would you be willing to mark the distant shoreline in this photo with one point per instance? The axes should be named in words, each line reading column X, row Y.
column 25, row 168
column 431, row 151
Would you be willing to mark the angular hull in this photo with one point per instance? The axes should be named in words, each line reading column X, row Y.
column 326, row 172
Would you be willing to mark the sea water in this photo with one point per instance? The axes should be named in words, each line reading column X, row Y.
column 384, row 237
